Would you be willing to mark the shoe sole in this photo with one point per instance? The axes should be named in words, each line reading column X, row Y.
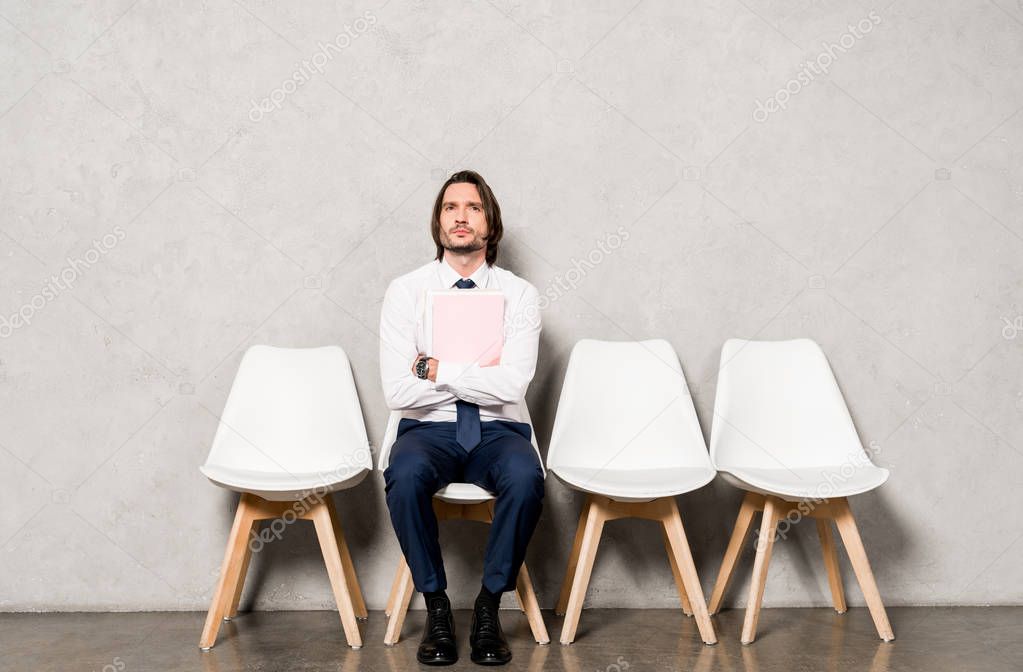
column 437, row 662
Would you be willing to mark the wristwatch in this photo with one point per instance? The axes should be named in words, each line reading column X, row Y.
column 423, row 367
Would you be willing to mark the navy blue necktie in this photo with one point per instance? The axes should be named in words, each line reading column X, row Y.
column 467, row 426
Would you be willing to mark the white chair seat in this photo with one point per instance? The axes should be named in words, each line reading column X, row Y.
column 634, row 485
column 292, row 426
column 637, row 441
column 463, row 493
column 278, row 486
column 807, row 482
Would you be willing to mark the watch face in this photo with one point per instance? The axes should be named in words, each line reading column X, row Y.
column 421, row 368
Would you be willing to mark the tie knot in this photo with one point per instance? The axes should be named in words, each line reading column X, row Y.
column 465, row 283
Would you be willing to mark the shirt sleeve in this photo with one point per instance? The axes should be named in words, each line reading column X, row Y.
column 504, row 383
column 402, row 389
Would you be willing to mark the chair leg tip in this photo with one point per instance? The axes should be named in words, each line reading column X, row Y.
column 205, row 648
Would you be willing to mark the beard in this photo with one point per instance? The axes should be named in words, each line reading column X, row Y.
column 475, row 243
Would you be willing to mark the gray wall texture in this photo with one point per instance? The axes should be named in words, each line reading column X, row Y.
column 182, row 180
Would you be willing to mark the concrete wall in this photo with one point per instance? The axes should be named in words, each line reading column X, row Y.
column 874, row 207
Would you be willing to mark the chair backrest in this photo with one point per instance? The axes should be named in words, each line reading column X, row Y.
column 391, row 433
column 626, row 405
column 778, row 406
column 292, row 410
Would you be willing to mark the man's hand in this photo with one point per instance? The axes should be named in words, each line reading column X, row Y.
column 431, row 373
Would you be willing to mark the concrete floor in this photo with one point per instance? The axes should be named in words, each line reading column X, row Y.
column 609, row 640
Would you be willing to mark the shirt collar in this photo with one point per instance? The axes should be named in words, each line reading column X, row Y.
column 449, row 276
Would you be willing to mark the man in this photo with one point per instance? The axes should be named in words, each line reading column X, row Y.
column 462, row 423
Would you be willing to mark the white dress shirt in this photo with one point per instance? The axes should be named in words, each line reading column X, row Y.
column 499, row 389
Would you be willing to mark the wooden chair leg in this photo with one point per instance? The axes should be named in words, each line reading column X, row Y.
column 402, row 597
column 687, row 608
column 683, row 558
column 530, row 605
column 573, row 560
column 831, row 563
column 742, row 526
column 328, row 530
column 765, row 543
column 581, row 579
column 240, row 583
column 346, row 560
column 395, row 585
column 230, row 572
column 861, row 567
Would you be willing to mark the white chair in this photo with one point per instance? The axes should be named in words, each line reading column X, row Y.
column 782, row 433
column 627, row 434
column 456, row 501
column 291, row 433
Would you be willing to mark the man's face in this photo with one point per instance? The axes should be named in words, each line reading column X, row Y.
column 463, row 225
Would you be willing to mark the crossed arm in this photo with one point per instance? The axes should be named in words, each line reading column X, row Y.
column 504, row 383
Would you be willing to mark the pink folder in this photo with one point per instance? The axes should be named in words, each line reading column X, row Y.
column 467, row 325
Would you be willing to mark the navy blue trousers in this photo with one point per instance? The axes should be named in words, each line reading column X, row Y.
column 426, row 457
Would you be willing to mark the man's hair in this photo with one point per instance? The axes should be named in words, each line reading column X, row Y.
column 491, row 210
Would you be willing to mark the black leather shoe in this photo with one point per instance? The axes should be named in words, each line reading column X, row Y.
column 438, row 645
column 486, row 639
